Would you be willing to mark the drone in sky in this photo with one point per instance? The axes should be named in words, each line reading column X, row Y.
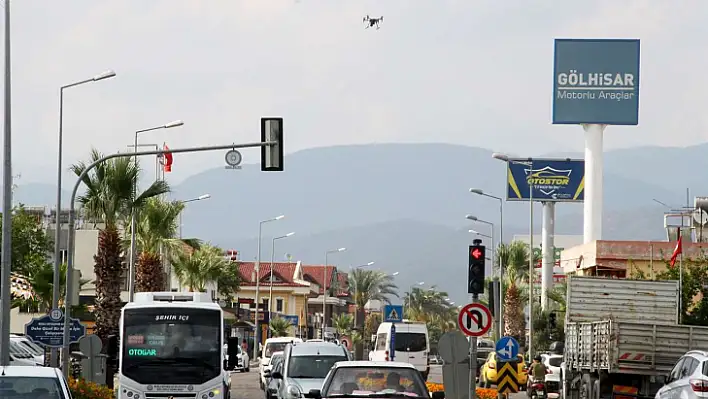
column 370, row 22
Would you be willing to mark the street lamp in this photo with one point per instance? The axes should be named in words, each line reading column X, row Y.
column 479, row 234
column 60, row 170
column 256, row 338
column 131, row 266
column 529, row 163
column 410, row 294
column 200, row 198
column 364, row 265
column 272, row 256
column 501, row 266
column 324, row 289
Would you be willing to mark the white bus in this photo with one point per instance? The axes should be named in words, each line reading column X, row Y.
column 171, row 346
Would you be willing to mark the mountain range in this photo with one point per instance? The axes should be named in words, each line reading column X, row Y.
column 404, row 205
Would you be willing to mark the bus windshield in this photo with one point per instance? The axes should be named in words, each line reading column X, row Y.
column 171, row 345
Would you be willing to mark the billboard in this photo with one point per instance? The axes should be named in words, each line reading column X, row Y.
column 557, row 180
column 596, row 81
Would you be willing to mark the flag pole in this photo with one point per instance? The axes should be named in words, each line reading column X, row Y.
column 680, row 301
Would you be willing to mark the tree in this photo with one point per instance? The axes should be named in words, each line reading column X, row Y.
column 367, row 285
column 514, row 319
column 433, row 308
column 199, row 268
column 157, row 226
column 343, row 323
column 371, row 325
column 109, row 198
column 30, row 243
column 229, row 281
column 40, row 280
column 280, row 327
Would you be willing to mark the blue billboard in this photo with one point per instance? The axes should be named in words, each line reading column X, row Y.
column 557, row 180
column 596, row 81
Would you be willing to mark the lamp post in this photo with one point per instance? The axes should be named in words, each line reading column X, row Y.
column 131, row 265
column 501, row 265
column 256, row 334
column 365, row 265
column 490, row 224
column 157, row 158
column 410, row 295
column 479, row 234
column 57, row 234
column 324, row 288
column 505, row 158
column 200, row 198
column 272, row 257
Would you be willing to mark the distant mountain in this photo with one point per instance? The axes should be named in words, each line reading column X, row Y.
column 403, row 205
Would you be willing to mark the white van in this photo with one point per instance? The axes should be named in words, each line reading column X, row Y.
column 411, row 345
column 271, row 346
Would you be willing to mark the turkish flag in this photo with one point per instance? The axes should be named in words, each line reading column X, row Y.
column 167, row 160
column 677, row 251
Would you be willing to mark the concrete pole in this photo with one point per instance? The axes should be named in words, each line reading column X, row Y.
column 592, row 207
column 7, row 201
column 547, row 252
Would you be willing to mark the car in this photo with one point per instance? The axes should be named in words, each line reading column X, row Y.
column 33, row 382
column 688, row 379
column 243, row 361
column 373, row 378
column 488, row 372
column 21, row 356
column 271, row 346
column 553, row 373
column 272, row 385
column 36, row 350
column 306, row 365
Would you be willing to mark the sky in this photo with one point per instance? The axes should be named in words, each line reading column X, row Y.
column 475, row 73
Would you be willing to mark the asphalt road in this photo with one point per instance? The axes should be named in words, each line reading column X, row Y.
column 245, row 385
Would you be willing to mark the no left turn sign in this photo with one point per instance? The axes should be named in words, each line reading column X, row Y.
column 475, row 319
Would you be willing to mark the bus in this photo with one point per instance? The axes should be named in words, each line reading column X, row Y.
column 171, row 345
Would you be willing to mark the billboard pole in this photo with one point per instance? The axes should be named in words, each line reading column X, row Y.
column 547, row 251
column 592, row 208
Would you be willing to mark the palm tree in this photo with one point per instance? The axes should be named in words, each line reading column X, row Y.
column 155, row 234
column 366, row 285
column 514, row 255
column 343, row 323
column 422, row 305
column 279, row 326
column 41, row 287
column 199, row 268
column 109, row 197
column 514, row 319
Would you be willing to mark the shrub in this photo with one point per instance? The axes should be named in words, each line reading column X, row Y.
column 482, row 393
column 82, row 389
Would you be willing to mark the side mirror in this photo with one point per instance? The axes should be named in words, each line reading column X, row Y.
column 439, row 395
column 314, row 394
column 667, row 379
column 266, row 373
column 277, row 375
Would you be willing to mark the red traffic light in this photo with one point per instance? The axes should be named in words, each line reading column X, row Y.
column 476, row 253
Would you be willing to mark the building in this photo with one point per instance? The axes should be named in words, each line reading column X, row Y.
column 624, row 259
column 561, row 242
column 297, row 294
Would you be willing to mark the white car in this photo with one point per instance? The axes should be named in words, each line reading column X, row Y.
column 33, row 382
column 243, row 362
column 271, row 346
column 553, row 365
column 36, row 350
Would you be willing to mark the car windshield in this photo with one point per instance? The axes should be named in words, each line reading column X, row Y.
column 273, row 347
column 32, row 347
column 19, row 351
column 555, row 361
column 30, row 387
column 312, row 366
column 367, row 381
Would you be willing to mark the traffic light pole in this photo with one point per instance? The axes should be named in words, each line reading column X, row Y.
column 473, row 359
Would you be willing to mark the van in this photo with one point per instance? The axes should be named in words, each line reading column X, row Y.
column 412, row 345
column 271, row 346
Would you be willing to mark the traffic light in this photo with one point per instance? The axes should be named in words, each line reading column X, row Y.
column 475, row 272
column 272, row 155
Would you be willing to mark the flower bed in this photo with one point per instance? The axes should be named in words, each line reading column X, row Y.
column 482, row 393
column 82, row 389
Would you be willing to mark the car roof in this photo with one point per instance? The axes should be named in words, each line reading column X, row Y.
column 368, row 363
column 28, row 371
column 316, row 348
column 282, row 339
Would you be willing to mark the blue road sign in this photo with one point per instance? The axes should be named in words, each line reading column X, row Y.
column 49, row 331
column 596, row 81
column 392, row 347
column 393, row 313
column 507, row 349
column 552, row 180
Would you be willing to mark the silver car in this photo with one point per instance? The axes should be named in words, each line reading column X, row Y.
column 305, row 367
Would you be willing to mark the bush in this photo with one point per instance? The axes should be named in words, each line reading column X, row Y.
column 82, row 389
column 482, row 393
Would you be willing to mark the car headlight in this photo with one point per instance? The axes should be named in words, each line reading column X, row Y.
column 293, row 391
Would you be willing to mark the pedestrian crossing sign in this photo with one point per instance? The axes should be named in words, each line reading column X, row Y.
column 393, row 313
